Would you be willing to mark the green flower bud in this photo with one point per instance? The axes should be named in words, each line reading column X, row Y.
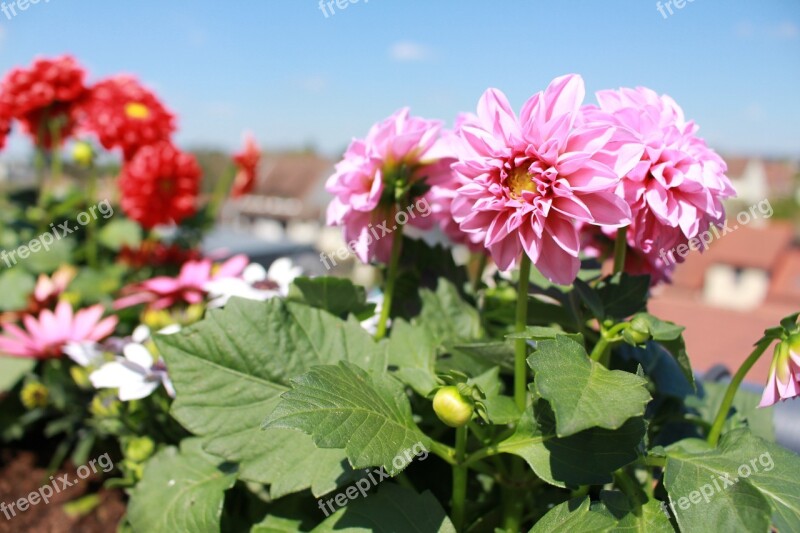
column 139, row 449
column 451, row 407
column 34, row 395
column 80, row 376
column 105, row 404
column 638, row 332
column 83, row 154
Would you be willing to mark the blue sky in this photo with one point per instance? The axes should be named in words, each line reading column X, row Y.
column 283, row 70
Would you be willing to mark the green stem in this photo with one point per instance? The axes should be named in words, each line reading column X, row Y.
column 91, row 230
column 55, row 153
column 521, row 345
column 727, row 401
column 513, row 498
column 221, row 192
column 391, row 278
column 460, row 479
column 620, row 247
column 443, row 451
column 630, row 488
column 608, row 338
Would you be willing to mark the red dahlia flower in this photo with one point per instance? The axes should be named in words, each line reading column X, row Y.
column 247, row 160
column 159, row 185
column 123, row 114
column 5, row 126
column 44, row 98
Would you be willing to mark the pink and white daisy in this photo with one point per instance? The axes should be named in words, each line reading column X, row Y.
column 189, row 287
column 45, row 336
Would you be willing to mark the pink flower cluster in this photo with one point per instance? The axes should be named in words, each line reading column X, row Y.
column 538, row 181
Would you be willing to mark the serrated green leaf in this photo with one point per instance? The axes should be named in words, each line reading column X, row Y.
column 590, row 297
column 574, row 516
column 744, row 484
column 343, row 407
column 650, row 517
column 449, row 318
column 660, row 366
column 623, row 295
column 392, row 509
column 276, row 524
column 540, row 333
column 599, row 451
column 181, row 490
column 677, row 347
column 582, row 392
column 230, row 369
column 338, row 296
column 412, row 350
column 661, row 330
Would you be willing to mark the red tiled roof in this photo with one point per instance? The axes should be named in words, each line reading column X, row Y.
column 785, row 286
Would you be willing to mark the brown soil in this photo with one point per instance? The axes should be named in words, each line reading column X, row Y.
column 22, row 473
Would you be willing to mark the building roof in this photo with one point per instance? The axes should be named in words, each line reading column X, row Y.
column 785, row 285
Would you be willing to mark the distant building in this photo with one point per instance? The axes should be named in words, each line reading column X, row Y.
column 756, row 179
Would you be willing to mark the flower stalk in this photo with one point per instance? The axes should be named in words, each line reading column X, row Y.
column 391, row 279
column 521, row 345
column 460, row 479
column 733, row 386
column 620, row 248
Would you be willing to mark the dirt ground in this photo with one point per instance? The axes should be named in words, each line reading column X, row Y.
column 21, row 472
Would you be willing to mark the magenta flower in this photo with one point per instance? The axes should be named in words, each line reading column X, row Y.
column 44, row 337
column 529, row 179
column 784, row 374
column 402, row 154
column 675, row 191
column 189, row 287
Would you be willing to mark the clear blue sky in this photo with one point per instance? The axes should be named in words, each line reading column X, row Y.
column 283, row 70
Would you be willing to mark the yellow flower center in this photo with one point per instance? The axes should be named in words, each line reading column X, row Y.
column 520, row 180
column 137, row 110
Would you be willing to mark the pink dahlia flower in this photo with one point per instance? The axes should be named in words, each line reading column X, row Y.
column 401, row 148
column 675, row 190
column 784, row 374
column 597, row 243
column 45, row 337
column 528, row 179
column 189, row 287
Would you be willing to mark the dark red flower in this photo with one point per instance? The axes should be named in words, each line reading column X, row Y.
column 247, row 160
column 124, row 114
column 156, row 254
column 159, row 185
column 44, row 98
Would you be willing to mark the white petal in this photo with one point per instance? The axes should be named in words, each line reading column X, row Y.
column 84, row 353
column 116, row 375
column 137, row 391
column 141, row 334
column 254, row 273
column 138, row 355
column 170, row 330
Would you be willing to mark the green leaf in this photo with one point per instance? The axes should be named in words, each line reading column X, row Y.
column 574, row 516
column 501, row 410
column 338, row 296
column 230, row 369
column 44, row 261
column 12, row 370
column 586, row 458
column 276, row 524
column 591, row 298
column 623, row 295
column 181, row 490
column 496, row 353
column 16, row 286
column 659, row 365
column 677, row 348
column 412, row 350
column 120, row 232
column 540, row 333
column 448, row 316
column 661, row 330
column 650, row 517
column 582, row 392
column 743, row 485
column 343, row 407
column 393, row 509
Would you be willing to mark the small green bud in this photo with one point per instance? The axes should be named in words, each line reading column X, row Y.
column 638, row 332
column 451, row 407
column 34, row 395
column 83, row 154
column 139, row 449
